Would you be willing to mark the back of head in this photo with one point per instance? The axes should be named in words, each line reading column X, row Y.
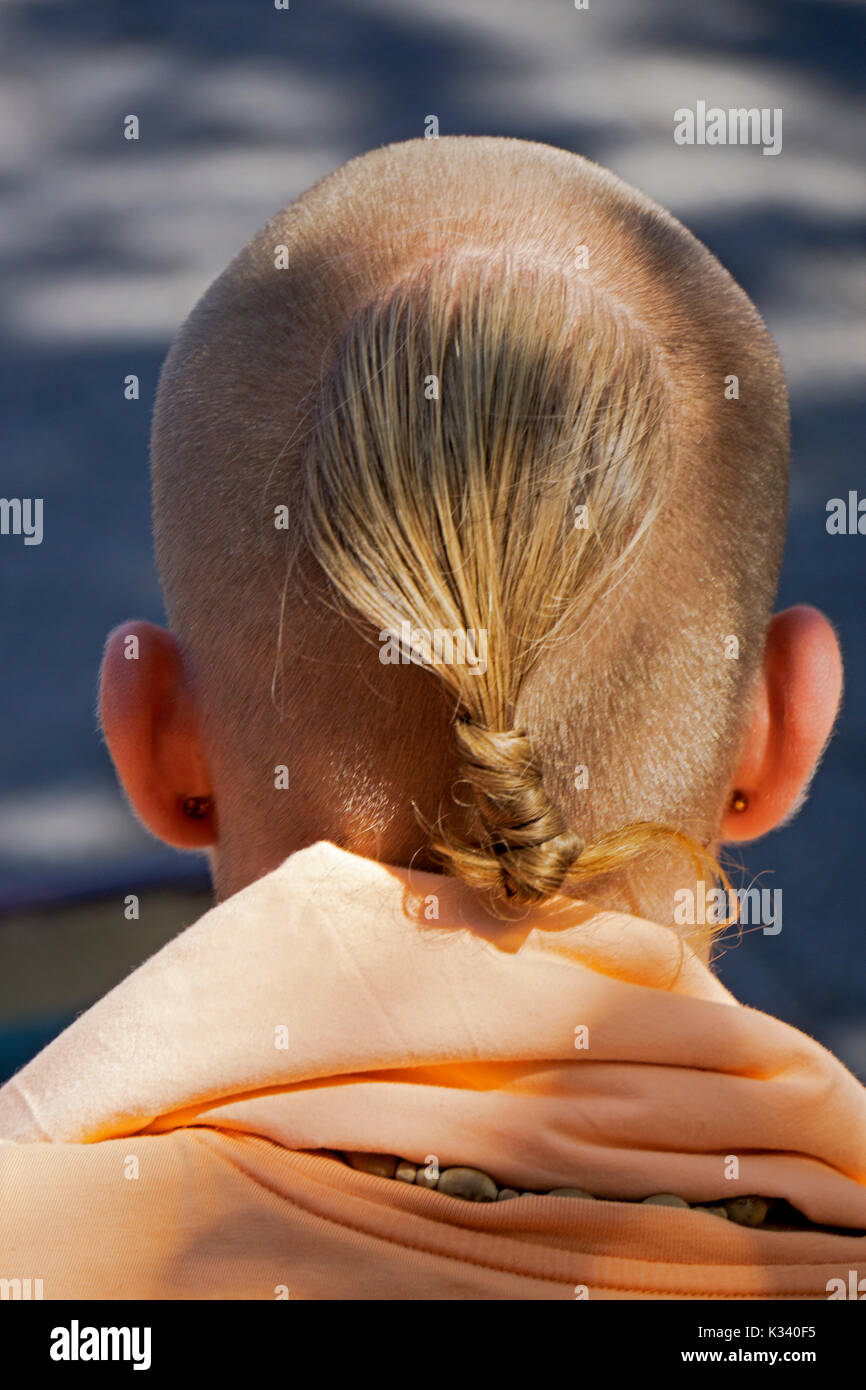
column 492, row 386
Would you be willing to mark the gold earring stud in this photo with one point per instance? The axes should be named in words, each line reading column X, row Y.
column 197, row 807
column 739, row 801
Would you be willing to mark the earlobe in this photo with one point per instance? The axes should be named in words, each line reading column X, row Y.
column 795, row 707
column 150, row 721
column 745, row 818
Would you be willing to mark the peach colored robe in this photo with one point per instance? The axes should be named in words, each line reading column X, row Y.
column 174, row 1141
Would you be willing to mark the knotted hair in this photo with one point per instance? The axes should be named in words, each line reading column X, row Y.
column 489, row 451
column 520, row 843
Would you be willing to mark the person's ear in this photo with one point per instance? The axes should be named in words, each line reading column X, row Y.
column 149, row 717
column 796, row 704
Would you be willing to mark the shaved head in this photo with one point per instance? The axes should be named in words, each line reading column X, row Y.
column 392, row 406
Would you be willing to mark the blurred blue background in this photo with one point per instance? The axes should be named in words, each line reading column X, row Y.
column 107, row 243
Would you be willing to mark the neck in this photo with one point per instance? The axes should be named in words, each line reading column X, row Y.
column 240, row 862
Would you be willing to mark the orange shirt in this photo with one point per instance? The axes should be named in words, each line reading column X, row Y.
column 173, row 1142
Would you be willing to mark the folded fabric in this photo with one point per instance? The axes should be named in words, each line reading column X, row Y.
column 341, row 1004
